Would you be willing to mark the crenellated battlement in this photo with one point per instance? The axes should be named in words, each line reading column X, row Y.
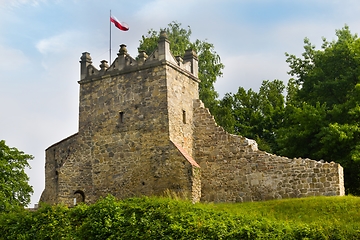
column 125, row 63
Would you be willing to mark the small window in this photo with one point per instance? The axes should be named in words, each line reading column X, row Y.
column 79, row 197
column 121, row 117
column 184, row 116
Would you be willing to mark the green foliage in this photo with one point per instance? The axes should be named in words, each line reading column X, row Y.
column 14, row 188
column 103, row 220
column 210, row 66
column 179, row 39
column 49, row 222
column 162, row 218
column 322, row 112
column 330, row 74
column 255, row 115
column 302, row 131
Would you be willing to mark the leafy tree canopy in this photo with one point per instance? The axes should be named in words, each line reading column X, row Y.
column 14, row 187
column 323, row 108
column 253, row 114
column 330, row 74
column 210, row 66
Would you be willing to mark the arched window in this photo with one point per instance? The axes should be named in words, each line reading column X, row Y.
column 79, row 197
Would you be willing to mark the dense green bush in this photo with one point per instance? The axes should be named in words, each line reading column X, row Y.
column 163, row 218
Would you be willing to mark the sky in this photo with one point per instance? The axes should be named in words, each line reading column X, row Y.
column 41, row 42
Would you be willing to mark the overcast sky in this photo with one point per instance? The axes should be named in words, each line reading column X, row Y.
column 41, row 42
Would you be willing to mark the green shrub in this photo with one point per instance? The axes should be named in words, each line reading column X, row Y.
column 164, row 218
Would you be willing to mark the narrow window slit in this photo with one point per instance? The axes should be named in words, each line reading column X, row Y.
column 121, row 117
column 184, row 116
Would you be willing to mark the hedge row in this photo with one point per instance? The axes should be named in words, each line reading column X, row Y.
column 153, row 218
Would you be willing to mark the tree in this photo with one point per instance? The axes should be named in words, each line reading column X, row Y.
column 253, row 114
column 14, row 187
column 323, row 110
column 210, row 66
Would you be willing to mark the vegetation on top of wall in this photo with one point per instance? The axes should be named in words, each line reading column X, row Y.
column 210, row 66
column 164, row 218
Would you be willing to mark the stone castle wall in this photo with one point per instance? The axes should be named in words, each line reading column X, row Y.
column 234, row 170
column 143, row 131
column 125, row 113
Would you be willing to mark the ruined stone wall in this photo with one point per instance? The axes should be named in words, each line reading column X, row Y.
column 234, row 170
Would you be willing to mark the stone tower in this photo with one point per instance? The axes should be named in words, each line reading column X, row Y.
column 135, row 125
column 143, row 130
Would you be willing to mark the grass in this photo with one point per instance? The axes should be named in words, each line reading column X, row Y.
column 305, row 210
column 321, row 212
column 172, row 218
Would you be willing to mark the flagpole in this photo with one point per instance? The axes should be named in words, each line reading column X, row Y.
column 110, row 41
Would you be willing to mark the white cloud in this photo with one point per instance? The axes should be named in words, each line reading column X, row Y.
column 165, row 10
column 57, row 43
column 11, row 59
column 249, row 71
column 18, row 3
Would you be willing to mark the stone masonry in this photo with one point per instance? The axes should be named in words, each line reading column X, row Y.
column 144, row 131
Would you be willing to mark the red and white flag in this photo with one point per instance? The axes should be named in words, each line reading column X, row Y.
column 120, row 25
